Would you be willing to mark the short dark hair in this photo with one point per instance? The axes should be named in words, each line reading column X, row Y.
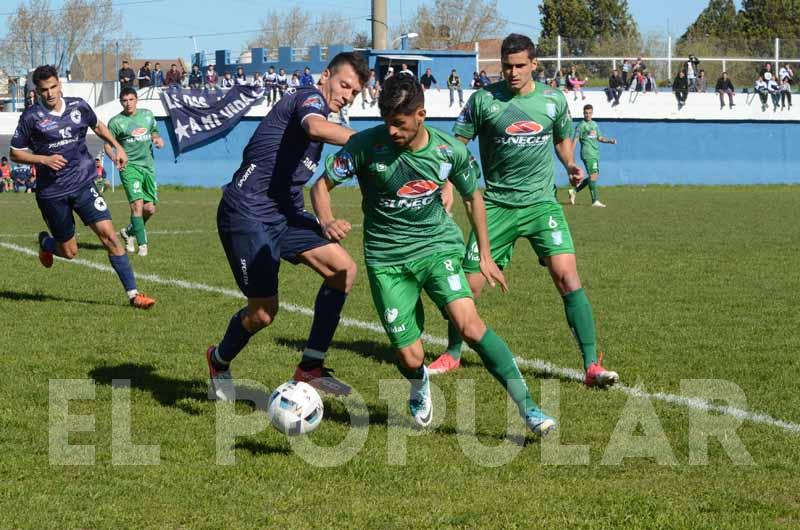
column 354, row 59
column 401, row 94
column 128, row 91
column 124, row 61
column 588, row 107
column 45, row 71
column 516, row 43
column 4, row 159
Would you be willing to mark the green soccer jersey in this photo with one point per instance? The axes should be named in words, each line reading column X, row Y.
column 589, row 134
column 134, row 134
column 516, row 135
column 404, row 218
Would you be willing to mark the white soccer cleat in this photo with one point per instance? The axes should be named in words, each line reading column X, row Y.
column 221, row 380
column 129, row 240
column 598, row 204
column 572, row 194
column 420, row 403
column 143, row 250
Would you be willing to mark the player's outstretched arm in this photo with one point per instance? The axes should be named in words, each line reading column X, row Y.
column 565, row 152
column 334, row 229
column 476, row 210
column 120, row 157
column 321, row 130
column 604, row 140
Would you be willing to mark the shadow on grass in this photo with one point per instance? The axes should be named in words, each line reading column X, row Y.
column 260, row 448
column 167, row 391
column 19, row 296
column 369, row 349
column 90, row 246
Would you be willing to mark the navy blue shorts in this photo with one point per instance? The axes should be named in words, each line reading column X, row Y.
column 90, row 206
column 255, row 250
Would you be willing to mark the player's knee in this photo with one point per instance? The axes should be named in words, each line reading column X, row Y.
column 149, row 209
column 261, row 317
column 472, row 330
column 350, row 270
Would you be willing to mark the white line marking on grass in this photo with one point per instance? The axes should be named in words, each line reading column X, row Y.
column 534, row 365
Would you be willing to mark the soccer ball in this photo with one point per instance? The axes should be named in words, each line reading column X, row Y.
column 295, row 408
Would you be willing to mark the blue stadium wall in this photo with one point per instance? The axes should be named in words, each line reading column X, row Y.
column 648, row 152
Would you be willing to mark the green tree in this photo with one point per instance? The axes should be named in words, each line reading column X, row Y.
column 568, row 18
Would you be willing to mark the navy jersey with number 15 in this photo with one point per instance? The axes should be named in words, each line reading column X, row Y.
column 47, row 132
column 278, row 161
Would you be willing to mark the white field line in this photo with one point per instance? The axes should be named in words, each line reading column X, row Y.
column 534, row 365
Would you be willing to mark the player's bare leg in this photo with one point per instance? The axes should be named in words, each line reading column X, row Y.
column 451, row 359
column 338, row 271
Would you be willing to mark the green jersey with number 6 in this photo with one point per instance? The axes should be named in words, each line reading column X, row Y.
column 589, row 134
column 134, row 133
column 404, row 218
column 516, row 135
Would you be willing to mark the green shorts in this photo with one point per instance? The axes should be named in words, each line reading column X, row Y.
column 397, row 289
column 592, row 166
column 139, row 183
column 542, row 224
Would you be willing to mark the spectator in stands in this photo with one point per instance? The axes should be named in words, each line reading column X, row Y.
column 405, row 70
column 294, row 81
column 650, row 84
column 626, row 70
column 157, row 77
column 725, row 87
column 126, row 75
column 145, row 74
column 680, row 87
column 30, row 99
column 283, row 82
column 485, row 78
column 100, row 180
column 787, row 71
column 427, row 80
column 307, row 79
column 702, row 82
column 31, row 186
column 767, row 72
column 240, row 78
column 615, row 87
column 561, row 80
column 227, row 81
column 476, row 82
column 21, row 175
column 371, row 88
column 639, row 65
column 258, row 81
column 389, row 73
column 786, row 93
column 690, row 69
column 774, row 89
column 174, row 76
column 271, row 86
column 762, row 91
column 576, row 83
column 211, row 77
column 196, row 77
column 540, row 76
column 5, row 174
column 454, row 85
column 638, row 81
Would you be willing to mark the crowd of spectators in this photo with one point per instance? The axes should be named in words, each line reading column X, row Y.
column 20, row 178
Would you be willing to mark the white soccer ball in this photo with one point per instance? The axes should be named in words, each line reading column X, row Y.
column 295, row 408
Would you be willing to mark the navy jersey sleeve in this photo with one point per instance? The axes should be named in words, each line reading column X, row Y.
column 310, row 103
column 22, row 135
column 90, row 118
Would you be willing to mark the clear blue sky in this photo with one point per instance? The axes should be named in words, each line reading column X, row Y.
column 153, row 20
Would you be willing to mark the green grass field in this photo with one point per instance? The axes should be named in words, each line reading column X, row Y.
column 687, row 283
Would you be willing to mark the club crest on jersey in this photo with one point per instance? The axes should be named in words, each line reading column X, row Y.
column 444, row 170
column 343, row 165
column 75, row 116
column 417, row 188
column 445, row 150
column 315, row 102
column 524, row 128
column 551, row 110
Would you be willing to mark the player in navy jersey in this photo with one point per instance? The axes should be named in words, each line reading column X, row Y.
column 261, row 219
column 51, row 136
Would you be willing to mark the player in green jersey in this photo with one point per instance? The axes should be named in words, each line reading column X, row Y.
column 518, row 122
column 411, row 244
column 590, row 136
column 137, row 132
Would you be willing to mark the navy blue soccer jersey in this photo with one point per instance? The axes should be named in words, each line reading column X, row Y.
column 278, row 161
column 47, row 132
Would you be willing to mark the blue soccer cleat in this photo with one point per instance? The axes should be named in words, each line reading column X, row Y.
column 540, row 423
column 419, row 401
